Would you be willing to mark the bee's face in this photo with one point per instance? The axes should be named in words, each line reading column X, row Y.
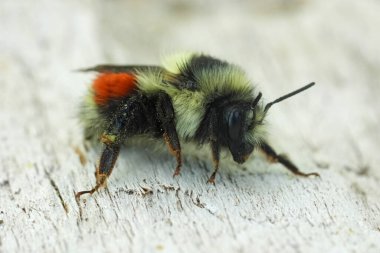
column 239, row 121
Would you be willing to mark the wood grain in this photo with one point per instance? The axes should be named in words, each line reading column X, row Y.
column 332, row 129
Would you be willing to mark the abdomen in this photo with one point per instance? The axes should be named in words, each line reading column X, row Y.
column 106, row 92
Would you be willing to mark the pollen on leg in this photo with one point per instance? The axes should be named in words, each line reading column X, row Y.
column 112, row 85
column 101, row 178
column 108, row 138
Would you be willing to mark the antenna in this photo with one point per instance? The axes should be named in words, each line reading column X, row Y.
column 287, row 96
column 257, row 99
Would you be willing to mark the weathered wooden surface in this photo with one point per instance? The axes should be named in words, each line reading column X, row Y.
column 332, row 129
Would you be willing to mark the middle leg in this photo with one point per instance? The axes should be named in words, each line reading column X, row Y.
column 166, row 117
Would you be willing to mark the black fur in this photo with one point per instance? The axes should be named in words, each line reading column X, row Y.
column 134, row 115
column 186, row 79
column 198, row 63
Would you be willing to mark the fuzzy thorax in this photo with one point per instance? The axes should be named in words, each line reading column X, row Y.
column 190, row 105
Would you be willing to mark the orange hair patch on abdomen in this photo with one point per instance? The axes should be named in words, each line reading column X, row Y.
column 112, row 85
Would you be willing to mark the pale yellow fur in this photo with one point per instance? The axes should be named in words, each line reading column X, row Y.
column 90, row 118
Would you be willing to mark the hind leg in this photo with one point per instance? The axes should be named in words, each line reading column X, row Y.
column 126, row 122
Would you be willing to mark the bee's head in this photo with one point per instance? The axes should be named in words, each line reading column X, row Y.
column 243, row 128
column 243, row 124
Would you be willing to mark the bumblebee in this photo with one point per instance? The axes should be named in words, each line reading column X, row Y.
column 191, row 98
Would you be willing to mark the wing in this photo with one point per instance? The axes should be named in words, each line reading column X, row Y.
column 120, row 68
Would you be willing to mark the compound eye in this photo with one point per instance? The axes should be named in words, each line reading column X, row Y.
column 235, row 124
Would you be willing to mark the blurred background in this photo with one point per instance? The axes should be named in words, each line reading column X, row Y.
column 282, row 44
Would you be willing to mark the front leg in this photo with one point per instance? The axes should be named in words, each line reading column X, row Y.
column 166, row 117
column 215, row 146
column 215, row 152
column 274, row 157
